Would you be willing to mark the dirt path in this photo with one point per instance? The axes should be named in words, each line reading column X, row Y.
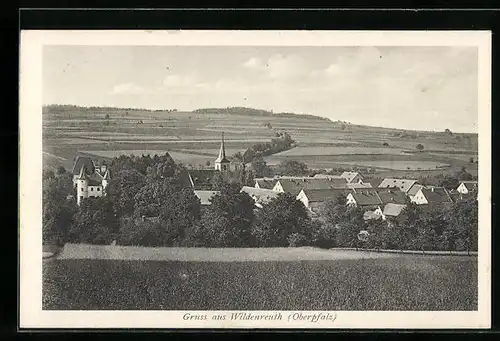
column 80, row 251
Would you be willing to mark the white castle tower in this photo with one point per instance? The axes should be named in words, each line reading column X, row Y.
column 222, row 163
column 81, row 186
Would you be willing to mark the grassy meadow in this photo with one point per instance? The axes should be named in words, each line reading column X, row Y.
column 192, row 137
column 400, row 282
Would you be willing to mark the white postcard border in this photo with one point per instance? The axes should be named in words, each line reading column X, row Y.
column 30, row 201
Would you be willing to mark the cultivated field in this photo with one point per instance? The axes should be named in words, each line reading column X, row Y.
column 267, row 279
column 321, row 143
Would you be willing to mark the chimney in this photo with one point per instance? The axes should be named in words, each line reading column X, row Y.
column 143, row 218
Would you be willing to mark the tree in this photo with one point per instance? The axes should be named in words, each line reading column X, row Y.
column 177, row 215
column 58, row 210
column 95, row 222
column 47, row 174
column 420, row 147
column 260, row 167
column 279, row 219
column 461, row 232
column 150, row 198
column 448, row 131
column 61, row 170
column 349, row 227
column 293, row 167
column 228, row 220
column 122, row 188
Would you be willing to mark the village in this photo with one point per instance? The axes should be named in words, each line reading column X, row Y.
column 378, row 199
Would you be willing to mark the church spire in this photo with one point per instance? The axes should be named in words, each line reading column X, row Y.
column 222, row 152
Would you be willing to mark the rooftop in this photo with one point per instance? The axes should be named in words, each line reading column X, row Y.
column 436, row 195
column 403, row 184
column 205, row 196
column 393, row 210
column 321, row 195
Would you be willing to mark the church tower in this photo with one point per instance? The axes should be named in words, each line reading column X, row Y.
column 222, row 163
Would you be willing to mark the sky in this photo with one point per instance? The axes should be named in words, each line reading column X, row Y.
column 421, row 88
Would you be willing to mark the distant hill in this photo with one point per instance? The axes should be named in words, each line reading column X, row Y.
column 255, row 112
column 58, row 108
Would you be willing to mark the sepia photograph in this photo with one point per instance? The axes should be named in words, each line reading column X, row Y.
column 255, row 179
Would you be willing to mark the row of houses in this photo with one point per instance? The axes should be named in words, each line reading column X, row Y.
column 387, row 199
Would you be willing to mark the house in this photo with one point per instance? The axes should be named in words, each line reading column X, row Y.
column 466, row 187
column 364, row 198
column 265, row 183
column 352, row 176
column 260, row 196
column 89, row 180
column 403, row 184
column 293, row 186
column 391, row 195
column 432, row 195
column 310, row 197
column 205, row 196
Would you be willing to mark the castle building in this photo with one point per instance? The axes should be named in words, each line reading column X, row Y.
column 89, row 180
column 222, row 163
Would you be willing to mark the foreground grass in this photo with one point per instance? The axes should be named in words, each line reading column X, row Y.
column 398, row 283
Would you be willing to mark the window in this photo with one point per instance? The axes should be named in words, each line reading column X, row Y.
column 98, row 189
column 91, row 189
column 82, row 189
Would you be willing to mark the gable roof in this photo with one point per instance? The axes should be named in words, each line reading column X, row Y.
column 266, row 183
column 322, row 195
column 403, row 184
column 205, row 196
column 201, row 179
column 436, row 195
column 414, row 189
column 470, row 185
column 349, row 176
column 389, row 195
column 393, row 210
column 83, row 161
column 366, row 197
